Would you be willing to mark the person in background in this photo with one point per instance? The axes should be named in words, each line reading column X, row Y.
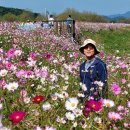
column 51, row 21
column 93, row 72
column 69, row 23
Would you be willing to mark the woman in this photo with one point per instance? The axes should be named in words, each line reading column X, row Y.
column 93, row 72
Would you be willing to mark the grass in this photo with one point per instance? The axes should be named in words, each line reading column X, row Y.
column 113, row 40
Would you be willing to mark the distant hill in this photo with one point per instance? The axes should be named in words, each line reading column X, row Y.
column 6, row 10
column 118, row 16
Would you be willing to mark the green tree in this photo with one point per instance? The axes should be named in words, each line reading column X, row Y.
column 26, row 16
column 40, row 18
column 10, row 17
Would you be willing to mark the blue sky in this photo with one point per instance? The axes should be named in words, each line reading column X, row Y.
column 101, row 7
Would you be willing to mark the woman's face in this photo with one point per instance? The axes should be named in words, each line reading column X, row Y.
column 89, row 51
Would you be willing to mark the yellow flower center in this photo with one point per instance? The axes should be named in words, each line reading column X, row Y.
column 93, row 106
column 73, row 104
column 108, row 104
column 3, row 73
column 3, row 84
column 38, row 99
column 17, row 117
column 114, row 118
column 12, row 87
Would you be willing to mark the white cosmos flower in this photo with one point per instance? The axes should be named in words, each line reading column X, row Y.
column 43, row 80
column 53, row 77
column 99, row 83
column 70, row 116
column 31, row 63
column 46, row 106
column 108, row 103
column 66, row 77
column 75, row 124
column 12, row 86
column 65, row 87
column 61, row 120
column 83, row 86
column 71, row 103
column 38, row 128
column 3, row 72
column 77, row 112
column 1, row 106
column 4, row 128
column 63, row 94
column 98, row 120
column 81, row 95
column 26, row 100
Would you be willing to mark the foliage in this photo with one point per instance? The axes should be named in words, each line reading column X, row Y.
column 10, row 17
column 114, row 41
column 85, row 16
column 39, row 81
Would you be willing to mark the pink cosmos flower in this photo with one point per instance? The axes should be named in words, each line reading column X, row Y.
column 120, row 108
column 20, row 73
column 114, row 116
column 122, row 65
column 128, row 104
column 14, row 40
column 115, row 89
column 102, row 55
column 9, row 66
column 23, row 93
column 44, row 73
column 127, row 125
column 1, row 66
column 123, row 81
column 32, row 55
column 17, row 116
column 50, row 128
column 2, row 83
column 11, row 53
column 22, row 63
column 76, row 55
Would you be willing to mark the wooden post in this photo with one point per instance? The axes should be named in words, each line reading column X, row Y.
column 56, row 27
column 73, row 28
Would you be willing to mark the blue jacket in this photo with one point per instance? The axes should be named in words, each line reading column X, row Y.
column 69, row 21
column 97, row 71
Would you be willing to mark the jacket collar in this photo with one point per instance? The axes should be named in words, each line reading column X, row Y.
column 96, row 61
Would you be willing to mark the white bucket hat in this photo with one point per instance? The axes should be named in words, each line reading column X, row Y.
column 85, row 43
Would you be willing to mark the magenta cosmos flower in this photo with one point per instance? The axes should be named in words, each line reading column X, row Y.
column 11, row 53
column 17, row 116
column 94, row 105
column 9, row 66
column 49, row 57
column 33, row 55
column 115, row 89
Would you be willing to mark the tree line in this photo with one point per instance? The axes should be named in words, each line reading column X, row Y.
column 20, row 15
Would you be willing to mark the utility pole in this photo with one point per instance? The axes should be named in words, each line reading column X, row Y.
column 45, row 12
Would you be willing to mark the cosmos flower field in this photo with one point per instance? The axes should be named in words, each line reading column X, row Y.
column 39, row 83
